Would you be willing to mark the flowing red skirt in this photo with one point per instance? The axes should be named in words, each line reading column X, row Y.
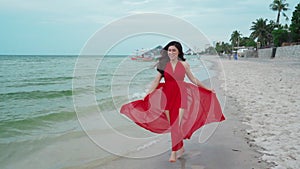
column 202, row 107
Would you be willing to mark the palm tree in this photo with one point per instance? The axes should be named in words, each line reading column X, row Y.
column 295, row 25
column 262, row 31
column 280, row 6
column 235, row 38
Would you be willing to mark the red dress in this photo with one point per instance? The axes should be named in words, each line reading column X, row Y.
column 200, row 107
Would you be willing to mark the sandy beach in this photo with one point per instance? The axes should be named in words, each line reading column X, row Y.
column 266, row 94
column 261, row 129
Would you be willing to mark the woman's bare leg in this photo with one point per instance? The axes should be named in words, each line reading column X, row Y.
column 168, row 115
column 181, row 112
column 173, row 157
column 173, row 153
column 180, row 152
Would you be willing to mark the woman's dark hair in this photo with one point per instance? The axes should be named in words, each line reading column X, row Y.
column 164, row 58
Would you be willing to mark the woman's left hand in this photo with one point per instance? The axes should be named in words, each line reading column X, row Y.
column 213, row 90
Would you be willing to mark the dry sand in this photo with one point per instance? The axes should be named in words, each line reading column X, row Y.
column 267, row 96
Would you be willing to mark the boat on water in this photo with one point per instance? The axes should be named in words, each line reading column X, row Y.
column 144, row 58
column 146, row 55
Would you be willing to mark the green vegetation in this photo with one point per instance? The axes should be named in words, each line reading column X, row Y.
column 266, row 33
column 235, row 38
column 262, row 31
column 247, row 42
column 280, row 6
column 279, row 36
column 295, row 25
column 222, row 47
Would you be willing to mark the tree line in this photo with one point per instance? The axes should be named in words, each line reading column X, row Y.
column 267, row 33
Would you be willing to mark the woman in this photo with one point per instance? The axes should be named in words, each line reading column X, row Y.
column 175, row 106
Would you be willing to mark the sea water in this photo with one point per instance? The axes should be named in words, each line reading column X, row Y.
column 38, row 122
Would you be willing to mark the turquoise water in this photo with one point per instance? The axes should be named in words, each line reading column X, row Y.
column 36, row 105
column 35, row 92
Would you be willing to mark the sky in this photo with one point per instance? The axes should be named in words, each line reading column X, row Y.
column 64, row 27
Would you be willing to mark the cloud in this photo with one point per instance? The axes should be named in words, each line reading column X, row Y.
column 135, row 2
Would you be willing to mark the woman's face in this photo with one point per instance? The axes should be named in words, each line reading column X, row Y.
column 173, row 52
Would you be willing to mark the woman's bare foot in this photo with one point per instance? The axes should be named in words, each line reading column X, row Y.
column 180, row 152
column 173, row 157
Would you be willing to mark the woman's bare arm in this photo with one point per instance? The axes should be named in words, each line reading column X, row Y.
column 155, row 83
column 192, row 78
